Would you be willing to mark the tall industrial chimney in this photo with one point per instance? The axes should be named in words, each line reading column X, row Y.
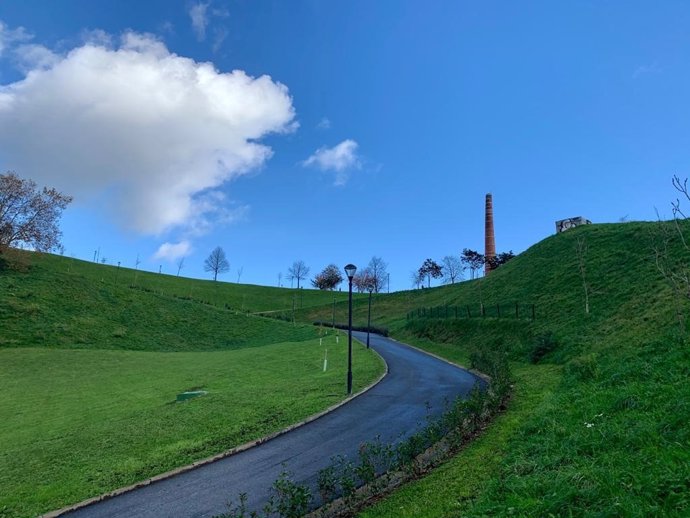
column 489, row 239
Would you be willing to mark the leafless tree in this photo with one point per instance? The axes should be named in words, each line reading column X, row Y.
column 416, row 279
column 239, row 273
column 452, row 269
column 377, row 271
column 29, row 216
column 280, row 279
column 216, row 262
column 298, row 271
column 180, row 265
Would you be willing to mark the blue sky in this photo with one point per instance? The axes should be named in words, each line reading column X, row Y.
column 379, row 132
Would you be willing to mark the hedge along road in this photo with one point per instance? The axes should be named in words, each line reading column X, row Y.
column 416, row 386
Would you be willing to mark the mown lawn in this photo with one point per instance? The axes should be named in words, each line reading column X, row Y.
column 77, row 423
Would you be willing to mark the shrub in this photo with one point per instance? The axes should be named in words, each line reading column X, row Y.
column 544, row 344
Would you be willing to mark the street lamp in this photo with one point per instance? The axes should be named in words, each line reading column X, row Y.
column 370, row 288
column 350, row 270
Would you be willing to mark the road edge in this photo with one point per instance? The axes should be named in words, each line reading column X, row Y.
column 219, row 456
column 477, row 373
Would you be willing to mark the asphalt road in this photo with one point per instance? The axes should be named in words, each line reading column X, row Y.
column 396, row 407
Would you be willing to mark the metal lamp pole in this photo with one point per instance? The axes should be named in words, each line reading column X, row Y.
column 369, row 317
column 350, row 270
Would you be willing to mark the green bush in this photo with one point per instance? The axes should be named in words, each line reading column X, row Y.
column 544, row 344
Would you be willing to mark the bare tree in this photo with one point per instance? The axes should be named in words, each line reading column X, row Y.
column 280, row 278
column 216, row 262
column 581, row 250
column 29, row 216
column 239, row 273
column 298, row 271
column 180, row 265
column 416, row 279
column 377, row 271
column 452, row 269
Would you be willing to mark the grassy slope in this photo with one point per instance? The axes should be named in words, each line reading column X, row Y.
column 81, row 416
column 612, row 437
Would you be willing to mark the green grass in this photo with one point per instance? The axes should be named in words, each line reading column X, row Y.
column 610, row 438
column 92, row 358
column 597, row 428
column 77, row 423
column 450, row 490
column 61, row 302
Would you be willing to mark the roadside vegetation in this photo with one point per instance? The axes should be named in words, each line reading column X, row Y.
column 90, row 369
column 598, row 419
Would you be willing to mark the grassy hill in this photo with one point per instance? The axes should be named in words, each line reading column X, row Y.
column 90, row 368
column 598, row 424
column 62, row 302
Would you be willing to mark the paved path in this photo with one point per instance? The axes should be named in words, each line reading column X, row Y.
column 395, row 406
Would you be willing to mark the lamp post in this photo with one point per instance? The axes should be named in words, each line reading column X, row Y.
column 371, row 288
column 350, row 270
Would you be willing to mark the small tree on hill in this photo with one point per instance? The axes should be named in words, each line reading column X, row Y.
column 473, row 260
column 376, row 270
column 216, row 263
column 298, row 271
column 429, row 269
column 416, row 279
column 328, row 279
column 452, row 269
column 500, row 259
column 29, row 216
column 364, row 280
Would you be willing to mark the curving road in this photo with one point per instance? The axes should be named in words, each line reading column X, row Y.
column 397, row 405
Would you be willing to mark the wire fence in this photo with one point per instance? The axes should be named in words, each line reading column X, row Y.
column 512, row 310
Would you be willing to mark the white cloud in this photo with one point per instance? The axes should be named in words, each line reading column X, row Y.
column 338, row 159
column 219, row 36
column 32, row 56
column 173, row 251
column 153, row 133
column 324, row 124
column 646, row 69
column 199, row 15
column 9, row 37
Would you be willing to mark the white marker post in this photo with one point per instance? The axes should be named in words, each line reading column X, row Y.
column 337, row 338
column 320, row 341
column 325, row 361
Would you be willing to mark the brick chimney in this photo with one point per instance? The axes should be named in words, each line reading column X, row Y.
column 489, row 239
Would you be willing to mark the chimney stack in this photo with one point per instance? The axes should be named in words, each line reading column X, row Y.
column 489, row 239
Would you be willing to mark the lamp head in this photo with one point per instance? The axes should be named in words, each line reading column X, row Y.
column 350, row 270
